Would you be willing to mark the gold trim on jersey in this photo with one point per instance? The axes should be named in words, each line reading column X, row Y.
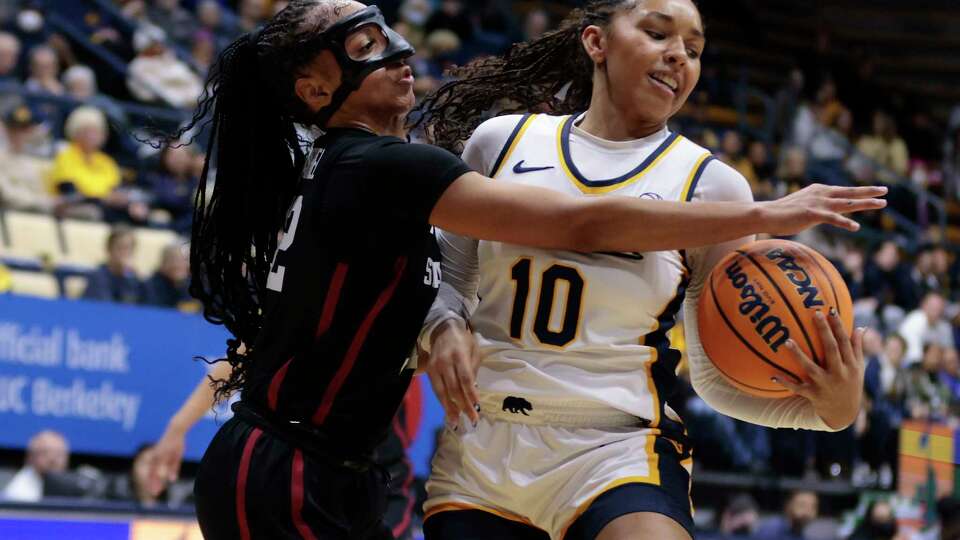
column 512, row 144
column 652, row 477
column 454, row 506
column 695, row 172
column 563, row 131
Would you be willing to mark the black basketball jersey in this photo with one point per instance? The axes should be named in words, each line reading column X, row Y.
column 355, row 273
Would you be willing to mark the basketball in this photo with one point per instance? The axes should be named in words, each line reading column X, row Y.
column 757, row 298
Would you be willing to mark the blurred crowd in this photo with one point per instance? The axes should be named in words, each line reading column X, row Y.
column 69, row 147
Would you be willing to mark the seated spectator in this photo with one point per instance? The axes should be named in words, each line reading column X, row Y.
column 536, row 23
column 210, row 18
column 9, row 57
column 926, row 324
column 251, row 14
column 731, row 153
column 203, row 50
column 764, row 169
column 950, row 377
column 886, row 152
column 792, row 172
column 737, row 520
column 801, row 508
column 889, row 289
column 138, row 485
column 174, row 186
column 927, row 397
column 22, row 174
column 177, row 22
column 115, row 280
column 884, row 391
column 156, row 74
column 47, row 452
column 451, row 16
column 879, row 523
column 44, row 73
column 168, row 286
column 87, row 178
column 80, row 83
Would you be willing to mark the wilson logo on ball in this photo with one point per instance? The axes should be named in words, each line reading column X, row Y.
column 798, row 276
column 769, row 327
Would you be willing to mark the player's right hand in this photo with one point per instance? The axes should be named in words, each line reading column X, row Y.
column 165, row 466
column 452, row 368
column 816, row 204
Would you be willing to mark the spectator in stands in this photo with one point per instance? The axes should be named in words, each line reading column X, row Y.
column 886, row 152
column 115, row 280
column 926, row 324
column 168, row 286
column 251, row 14
column 801, row 508
column 203, row 50
column 177, row 22
column 879, row 523
column 927, row 397
column 44, row 71
column 156, row 74
column 87, row 179
column 738, row 445
column 451, row 16
column 138, row 485
column 763, row 167
column 738, row 519
column 884, row 390
column 792, row 172
column 787, row 100
column 9, row 57
column 950, row 377
column 536, row 23
column 889, row 288
column 210, row 17
column 173, row 186
column 22, row 174
column 81, row 84
column 47, row 452
column 731, row 153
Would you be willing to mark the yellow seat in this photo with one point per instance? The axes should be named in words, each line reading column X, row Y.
column 34, row 284
column 149, row 250
column 86, row 242
column 32, row 236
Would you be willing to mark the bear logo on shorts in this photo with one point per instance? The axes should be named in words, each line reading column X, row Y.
column 517, row 405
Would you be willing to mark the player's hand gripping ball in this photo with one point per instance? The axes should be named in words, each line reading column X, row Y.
column 757, row 298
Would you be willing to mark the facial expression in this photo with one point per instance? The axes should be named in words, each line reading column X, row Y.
column 91, row 138
column 387, row 91
column 803, row 508
column 651, row 55
column 894, row 350
column 43, row 64
column 9, row 53
column 121, row 251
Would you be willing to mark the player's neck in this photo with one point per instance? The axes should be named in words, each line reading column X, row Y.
column 604, row 120
column 393, row 125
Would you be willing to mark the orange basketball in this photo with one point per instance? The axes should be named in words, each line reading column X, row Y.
column 758, row 297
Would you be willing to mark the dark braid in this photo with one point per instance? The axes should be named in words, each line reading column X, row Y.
column 257, row 156
column 528, row 78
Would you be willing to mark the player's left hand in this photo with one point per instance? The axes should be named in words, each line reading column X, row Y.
column 836, row 387
column 452, row 367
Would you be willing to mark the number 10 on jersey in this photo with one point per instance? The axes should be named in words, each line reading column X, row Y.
column 549, row 280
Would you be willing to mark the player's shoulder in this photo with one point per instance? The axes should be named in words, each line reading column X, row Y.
column 494, row 131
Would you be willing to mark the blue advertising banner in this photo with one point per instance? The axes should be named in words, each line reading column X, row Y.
column 107, row 376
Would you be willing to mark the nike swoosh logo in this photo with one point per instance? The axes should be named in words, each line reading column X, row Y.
column 520, row 169
column 622, row 255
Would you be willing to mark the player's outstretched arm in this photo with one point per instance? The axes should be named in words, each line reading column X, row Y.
column 169, row 449
column 477, row 207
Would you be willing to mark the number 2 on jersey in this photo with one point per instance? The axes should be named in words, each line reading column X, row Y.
column 520, row 273
column 275, row 278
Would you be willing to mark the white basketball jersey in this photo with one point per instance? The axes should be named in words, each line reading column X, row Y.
column 590, row 327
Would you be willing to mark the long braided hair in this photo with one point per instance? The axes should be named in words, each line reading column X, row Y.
column 551, row 73
column 250, row 106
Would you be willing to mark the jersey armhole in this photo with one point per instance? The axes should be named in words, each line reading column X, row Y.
column 511, row 143
column 690, row 187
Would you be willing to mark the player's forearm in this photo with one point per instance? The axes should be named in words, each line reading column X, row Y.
column 199, row 402
column 620, row 223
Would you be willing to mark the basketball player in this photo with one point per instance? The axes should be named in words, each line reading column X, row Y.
column 576, row 438
column 331, row 312
column 164, row 467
